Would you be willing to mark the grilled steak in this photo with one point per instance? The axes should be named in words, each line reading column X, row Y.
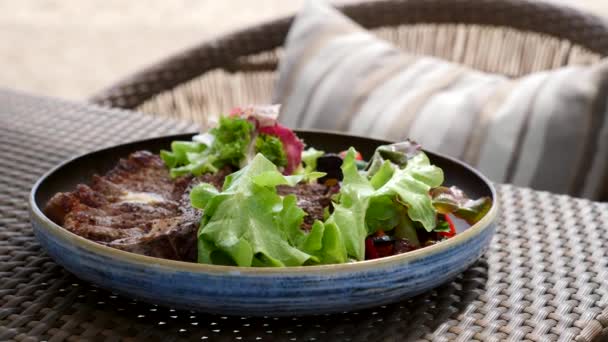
column 312, row 198
column 135, row 207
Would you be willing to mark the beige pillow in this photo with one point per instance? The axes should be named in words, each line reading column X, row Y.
column 547, row 130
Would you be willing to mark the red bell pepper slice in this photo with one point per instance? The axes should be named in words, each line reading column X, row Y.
column 452, row 231
column 370, row 250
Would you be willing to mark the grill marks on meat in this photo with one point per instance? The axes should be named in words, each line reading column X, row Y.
column 135, row 207
column 312, row 198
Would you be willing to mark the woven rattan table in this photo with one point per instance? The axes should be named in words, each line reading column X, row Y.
column 545, row 277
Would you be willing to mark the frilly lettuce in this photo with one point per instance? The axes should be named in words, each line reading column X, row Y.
column 309, row 157
column 231, row 139
column 179, row 151
column 292, row 145
column 272, row 148
column 234, row 142
column 249, row 224
column 371, row 202
column 398, row 153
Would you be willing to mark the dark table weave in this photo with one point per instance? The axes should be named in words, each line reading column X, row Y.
column 545, row 277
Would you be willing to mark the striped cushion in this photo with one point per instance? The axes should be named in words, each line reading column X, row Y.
column 547, row 130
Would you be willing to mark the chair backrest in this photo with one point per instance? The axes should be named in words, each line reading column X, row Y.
column 511, row 37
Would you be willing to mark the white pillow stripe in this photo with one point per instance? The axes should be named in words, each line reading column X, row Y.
column 333, row 83
column 362, row 91
column 566, row 131
column 316, row 68
column 497, row 148
column 596, row 183
column 381, row 98
column 448, row 130
column 422, row 93
column 496, row 95
column 540, row 113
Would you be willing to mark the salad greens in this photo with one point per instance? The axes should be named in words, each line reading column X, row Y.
column 392, row 204
column 228, row 146
column 272, row 148
column 249, row 224
column 309, row 157
column 368, row 203
column 234, row 143
column 179, row 151
column 453, row 200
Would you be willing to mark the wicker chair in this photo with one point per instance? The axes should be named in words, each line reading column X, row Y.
column 512, row 37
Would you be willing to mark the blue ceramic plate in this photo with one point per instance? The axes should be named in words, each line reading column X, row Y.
column 259, row 291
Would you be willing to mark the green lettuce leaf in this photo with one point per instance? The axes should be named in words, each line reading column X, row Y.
column 272, row 148
column 323, row 242
column 454, row 201
column 179, row 150
column 411, row 185
column 326, row 242
column 383, row 213
column 397, row 153
column 249, row 224
column 232, row 137
column 197, row 164
column 349, row 214
column 407, row 230
column 383, row 174
column 309, row 157
column 229, row 144
column 366, row 205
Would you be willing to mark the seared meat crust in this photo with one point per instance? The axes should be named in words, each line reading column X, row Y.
column 135, row 207
column 312, row 198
